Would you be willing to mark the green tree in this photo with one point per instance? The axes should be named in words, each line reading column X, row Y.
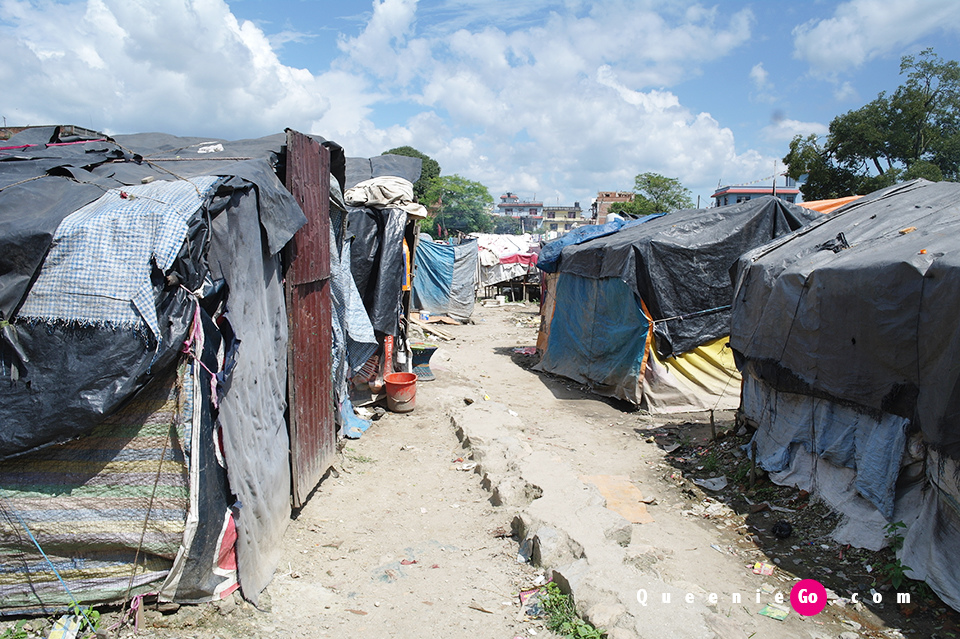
column 654, row 193
column 636, row 207
column 915, row 132
column 822, row 178
column 458, row 204
column 429, row 171
column 506, row 225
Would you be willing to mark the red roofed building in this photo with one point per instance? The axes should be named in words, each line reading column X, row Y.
column 736, row 194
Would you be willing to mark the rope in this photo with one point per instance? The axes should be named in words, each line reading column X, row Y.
column 36, row 177
column 143, row 530
column 157, row 166
column 195, row 336
column 179, row 159
column 694, row 314
column 726, row 386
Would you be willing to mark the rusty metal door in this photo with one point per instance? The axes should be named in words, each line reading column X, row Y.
column 309, row 306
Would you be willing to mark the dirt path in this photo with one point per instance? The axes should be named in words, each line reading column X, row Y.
column 400, row 542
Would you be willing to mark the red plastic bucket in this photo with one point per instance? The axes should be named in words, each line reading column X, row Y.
column 401, row 391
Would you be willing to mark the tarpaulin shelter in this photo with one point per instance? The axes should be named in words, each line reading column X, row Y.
column 143, row 357
column 446, row 278
column 382, row 223
column 846, row 336
column 506, row 257
column 641, row 313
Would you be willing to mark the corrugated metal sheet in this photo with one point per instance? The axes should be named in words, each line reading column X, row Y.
column 309, row 304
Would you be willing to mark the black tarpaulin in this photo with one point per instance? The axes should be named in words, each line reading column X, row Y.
column 679, row 264
column 362, row 169
column 377, row 262
column 38, row 188
column 63, row 376
column 873, row 324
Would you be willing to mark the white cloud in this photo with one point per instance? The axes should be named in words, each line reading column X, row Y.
column 123, row 66
column 577, row 101
column 759, row 76
column 573, row 102
column 784, row 129
column 845, row 92
column 861, row 30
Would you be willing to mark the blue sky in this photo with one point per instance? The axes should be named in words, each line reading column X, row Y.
column 549, row 99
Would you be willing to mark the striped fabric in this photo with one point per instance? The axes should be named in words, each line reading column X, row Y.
column 85, row 502
column 97, row 272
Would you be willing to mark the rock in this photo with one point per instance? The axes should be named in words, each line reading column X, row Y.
column 604, row 615
column 615, row 527
column 227, row 605
column 571, row 576
column 849, row 635
column 553, row 548
column 189, row 616
column 266, row 602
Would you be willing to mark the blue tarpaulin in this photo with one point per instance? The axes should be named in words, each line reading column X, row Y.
column 445, row 278
column 549, row 259
column 598, row 335
column 670, row 270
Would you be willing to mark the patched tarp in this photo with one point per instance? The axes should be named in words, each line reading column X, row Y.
column 170, row 232
column 641, row 308
column 363, row 169
column 377, row 262
column 98, row 318
column 679, row 264
column 846, row 335
column 861, row 307
column 445, row 277
column 549, row 259
column 506, row 257
column 598, row 336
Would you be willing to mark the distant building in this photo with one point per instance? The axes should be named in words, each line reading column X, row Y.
column 528, row 212
column 512, row 206
column 605, row 199
column 736, row 194
column 562, row 218
column 8, row 132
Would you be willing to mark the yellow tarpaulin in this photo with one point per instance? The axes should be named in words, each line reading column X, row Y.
column 702, row 379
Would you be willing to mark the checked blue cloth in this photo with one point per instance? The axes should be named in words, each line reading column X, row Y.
column 97, row 272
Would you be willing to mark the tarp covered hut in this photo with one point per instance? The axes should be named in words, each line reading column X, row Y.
column 382, row 221
column 506, row 257
column 846, row 336
column 641, row 312
column 144, row 445
column 446, row 282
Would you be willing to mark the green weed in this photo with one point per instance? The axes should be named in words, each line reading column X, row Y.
column 16, row 632
column 711, row 461
column 563, row 619
column 895, row 570
column 356, row 457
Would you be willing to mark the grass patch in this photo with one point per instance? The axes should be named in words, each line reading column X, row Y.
column 356, row 457
column 711, row 461
column 562, row 618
